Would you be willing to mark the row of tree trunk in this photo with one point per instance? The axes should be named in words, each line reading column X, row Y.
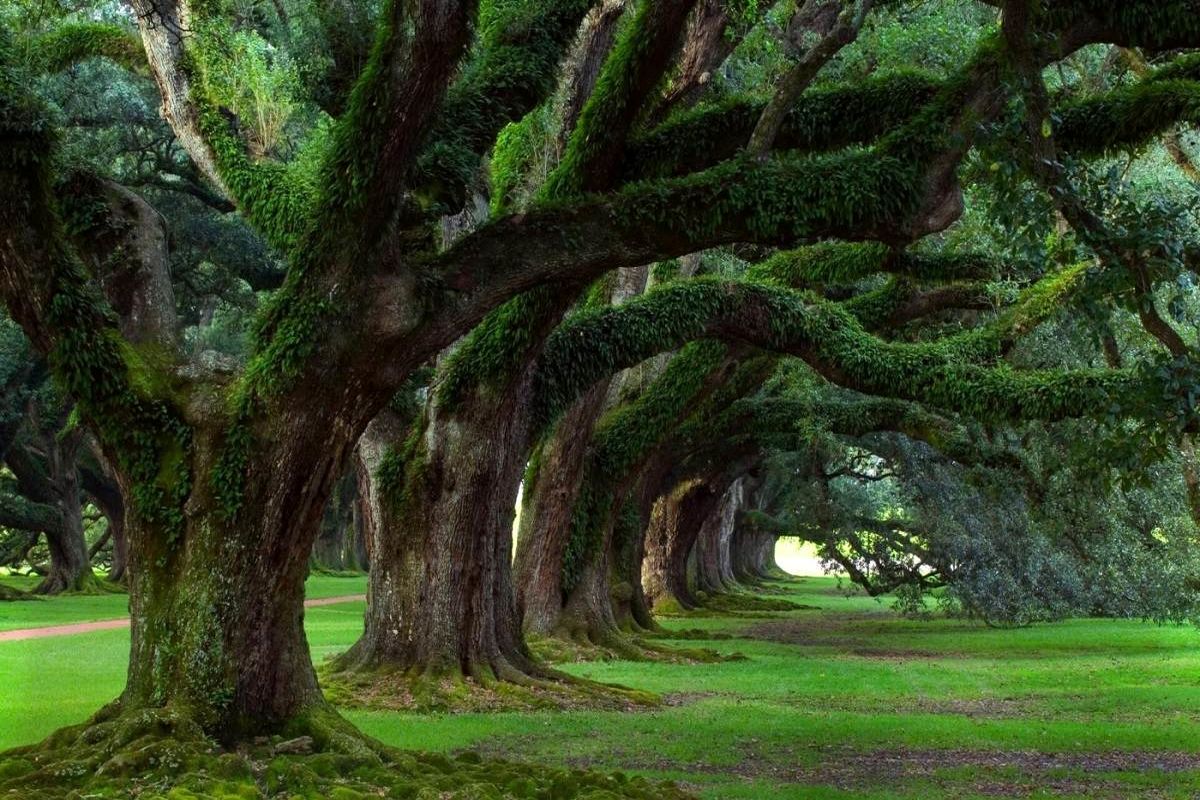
column 445, row 593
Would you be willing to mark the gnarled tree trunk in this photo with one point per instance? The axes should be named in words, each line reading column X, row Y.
column 441, row 597
column 53, row 482
column 713, row 564
column 551, row 488
column 674, row 525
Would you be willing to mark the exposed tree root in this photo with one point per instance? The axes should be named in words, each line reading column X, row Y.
column 733, row 604
column 396, row 689
column 88, row 583
column 637, row 647
column 162, row 753
column 8, row 593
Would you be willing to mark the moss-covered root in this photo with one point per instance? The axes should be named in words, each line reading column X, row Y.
column 161, row 755
column 88, row 583
column 8, row 593
column 394, row 689
column 733, row 604
column 639, row 647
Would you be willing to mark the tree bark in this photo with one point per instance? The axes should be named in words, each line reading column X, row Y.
column 441, row 598
column 217, row 608
column 674, row 526
column 54, row 482
column 630, row 606
column 336, row 546
column 552, row 485
column 754, row 556
column 714, row 568
column 551, row 488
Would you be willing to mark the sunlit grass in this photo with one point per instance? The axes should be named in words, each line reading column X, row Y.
column 849, row 677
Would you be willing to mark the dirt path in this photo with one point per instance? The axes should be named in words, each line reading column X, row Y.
column 113, row 624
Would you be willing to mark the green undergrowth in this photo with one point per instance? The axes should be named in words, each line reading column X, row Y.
column 400, row 690
column 159, row 753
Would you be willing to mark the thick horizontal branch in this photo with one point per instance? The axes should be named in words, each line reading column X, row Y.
column 24, row 514
column 1127, row 117
column 825, row 118
column 854, row 196
column 946, row 373
column 71, row 43
column 845, row 263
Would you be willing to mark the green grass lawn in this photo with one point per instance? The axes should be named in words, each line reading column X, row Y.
column 843, row 701
column 39, row 612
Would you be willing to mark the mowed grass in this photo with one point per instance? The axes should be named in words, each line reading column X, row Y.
column 845, row 700
column 38, row 612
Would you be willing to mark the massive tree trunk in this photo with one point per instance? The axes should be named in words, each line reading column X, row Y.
column 441, row 596
column 754, row 556
column 52, row 480
column 553, row 481
column 551, row 488
column 675, row 524
column 226, row 643
column 600, row 604
column 713, row 558
column 216, row 597
column 630, row 607
column 337, row 546
column 569, row 564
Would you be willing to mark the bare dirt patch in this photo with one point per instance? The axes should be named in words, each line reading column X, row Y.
column 1000, row 773
column 1025, row 707
column 850, row 633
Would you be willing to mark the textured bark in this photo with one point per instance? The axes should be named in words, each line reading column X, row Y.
column 674, row 526
column 706, row 45
column 588, row 614
column 70, row 565
column 662, row 23
column 546, row 507
column 552, row 489
column 337, row 546
column 713, row 559
column 595, row 41
column 228, row 644
column 754, row 556
column 801, row 76
column 48, row 479
column 441, row 598
column 630, row 606
column 138, row 284
column 163, row 24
